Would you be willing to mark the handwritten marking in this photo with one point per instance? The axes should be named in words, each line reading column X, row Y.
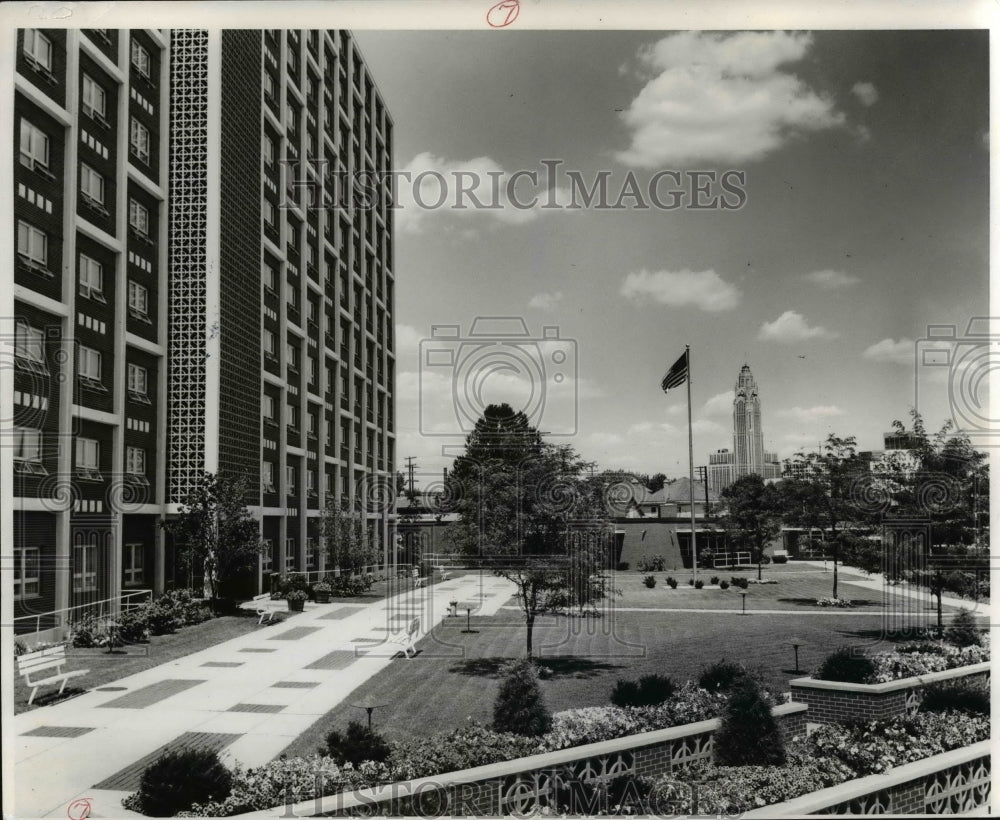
column 79, row 809
column 503, row 13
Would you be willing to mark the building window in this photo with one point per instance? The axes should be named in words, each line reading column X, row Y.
column 88, row 458
column 289, row 554
column 137, row 379
column 268, row 85
column 32, row 244
column 140, row 59
column 29, row 343
column 34, row 146
column 138, row 217
column 293, row 356
column 311, row 422
column 293, row 295
column 91, row 278
column 268, row 150
column 94, row 98
column 268, row 213
column 133, row 561
column 138, row 140
column 311, row 369
column 267, row 556
column 290, row 478
column 270, row 346
column 267, row 477
column 38, row 48
column 311, row 482
column 138, row 300
column 27, row 573
column 85, row 566
column 267, row 406
column 268, row 277
column 293, row 416
column 28, row 451
column 89, row 366
column 135, row 461
column 312, row 554
column 91, row 185
column 312, row 311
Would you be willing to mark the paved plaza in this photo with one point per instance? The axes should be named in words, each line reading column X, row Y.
column 248, row 698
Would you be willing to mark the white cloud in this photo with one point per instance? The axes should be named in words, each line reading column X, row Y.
column 891, row 351
column 792, row 327
column 545, row 301
column 719, row 405
column 866, row 93
column 722, row 98
column 832, row 279
column 408, row 340
column 477, row 188
column 807, row 414
column 705, row 289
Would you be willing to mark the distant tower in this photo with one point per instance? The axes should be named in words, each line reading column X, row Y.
column 748, row 454
column 748, row 435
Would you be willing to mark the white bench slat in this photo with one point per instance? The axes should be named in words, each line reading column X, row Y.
column 42, row 661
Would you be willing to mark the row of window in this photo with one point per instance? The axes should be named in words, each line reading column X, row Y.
column 267, row 555
column 27, row 445
column 27, row 568
column 38, row 49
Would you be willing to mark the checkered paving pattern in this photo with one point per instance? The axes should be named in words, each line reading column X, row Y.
column 148, row 695
column 338, row 659
column 58, row 731
column 256, row 707
column 128, row 778
column 295, row 633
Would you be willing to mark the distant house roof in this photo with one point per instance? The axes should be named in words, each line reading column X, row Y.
column 673, row 492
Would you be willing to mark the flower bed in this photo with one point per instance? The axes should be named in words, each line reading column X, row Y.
column 841, row 603
column 921, row 659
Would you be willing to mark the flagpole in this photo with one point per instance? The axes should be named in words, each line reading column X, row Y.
column 694, row 548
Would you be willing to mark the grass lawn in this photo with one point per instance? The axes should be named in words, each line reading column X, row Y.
column 455, row 675
column 106, row 667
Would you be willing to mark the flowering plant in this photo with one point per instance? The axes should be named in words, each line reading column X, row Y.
column 837, row 602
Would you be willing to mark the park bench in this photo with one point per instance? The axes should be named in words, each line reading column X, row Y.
column 262, row 605
column 406, row 638
column 48, row 663
column 418, row 580
column 444, row 572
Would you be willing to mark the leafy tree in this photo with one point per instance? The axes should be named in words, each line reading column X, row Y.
column 520, row 707
column 753, row 517
column 214, row 528
column 822, row 494
column 349, row 544
column 654, row 483
column 527, row 513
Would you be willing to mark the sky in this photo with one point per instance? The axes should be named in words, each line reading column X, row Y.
column 857, row 216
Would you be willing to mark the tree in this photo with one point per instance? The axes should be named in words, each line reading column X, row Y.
column 349, row 545
column 654, row 483
column 527, row 513
column 520, row 706
column 749, row 734
column 822, row 493
column 753, row 516
column 214, row 528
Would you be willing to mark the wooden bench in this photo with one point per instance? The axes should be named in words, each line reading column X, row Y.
column 406, row 638
column 445, row 573
column 262, row 605
column 48, row 663
column 418, row 580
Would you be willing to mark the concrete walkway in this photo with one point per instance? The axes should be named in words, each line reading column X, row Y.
column 248, row 698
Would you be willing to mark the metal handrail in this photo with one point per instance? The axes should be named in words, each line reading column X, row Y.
column 124, row 601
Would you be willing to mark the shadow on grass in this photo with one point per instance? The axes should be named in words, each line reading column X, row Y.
column 562, row 667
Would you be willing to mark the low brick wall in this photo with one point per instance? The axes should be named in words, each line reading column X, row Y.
column 838, row 702
column 956, row 782
column 522, row 786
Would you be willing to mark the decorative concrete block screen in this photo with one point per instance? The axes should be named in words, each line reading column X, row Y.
column 956, row 782
column 836, row 702
column 523, row 786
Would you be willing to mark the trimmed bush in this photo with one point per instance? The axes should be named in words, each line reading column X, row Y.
column 958, row 697
column 739, row 581
column 649, row 690
column 963, row 630
column 844, row 664
column 520, row 707
column 714, row 580
column 672, row 583
column 649, row 581
column 721, row 676
column 723, row 584
column 175, row 781
column 463, row 748
column 749, row 734
column 699, row 584
column 622, row 566
column 358, row 744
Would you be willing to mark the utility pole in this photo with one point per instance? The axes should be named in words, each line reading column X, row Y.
column 703, row 474
column 410, row 464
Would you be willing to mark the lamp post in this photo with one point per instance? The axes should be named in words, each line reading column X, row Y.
column 369, row 704
column 796, row 643
column 743, row 595
column 468, row 622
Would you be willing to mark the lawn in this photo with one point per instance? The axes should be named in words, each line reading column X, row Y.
column 106, row 667
column 456, row 675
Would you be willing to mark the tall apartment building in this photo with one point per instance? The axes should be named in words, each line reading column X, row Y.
column 748, row 455
column 185, row 300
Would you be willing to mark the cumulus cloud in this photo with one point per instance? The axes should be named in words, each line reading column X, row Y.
column 546, row 301
column 408, row 339
column 807, row 414
column 705, row 289
column 832, row 279
column 477, row 188
column 712, row 97
column 792, row 327
column 720, row 404
column 866, row 93
column 891, row 351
